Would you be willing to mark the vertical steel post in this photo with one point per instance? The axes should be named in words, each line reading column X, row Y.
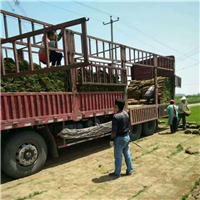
column 16, row 57
column 2, row 62
column 47, row 49
column 155, row 60
column 5, row 25
column 30, row 54
column 84, row 41
column 20, row 27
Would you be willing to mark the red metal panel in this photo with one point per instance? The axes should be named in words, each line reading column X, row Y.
column 32, row 106
column 53, row 104
column 58, row 103
column 108, row 100
column 38, row 105
column 63, row 103
column 67, row 102
column 44, row 110
column 97, row 101
column 13, row 106
column 6, row 108
column 90, row 100
column 86, row 102
column 27, row 111
column 49, row 105
column 19, row 105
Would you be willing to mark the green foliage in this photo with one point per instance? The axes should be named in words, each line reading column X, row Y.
column 50, row 82
column 195, row 116
column 190, row 98
column 196, row 184
column 30, row 196
column 34, row 83
column 179, row 148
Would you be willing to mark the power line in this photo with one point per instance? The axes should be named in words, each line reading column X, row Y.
column 9, row 4
column 55, row 6
column 189, row 67
column 93, row 8
column 130, row 26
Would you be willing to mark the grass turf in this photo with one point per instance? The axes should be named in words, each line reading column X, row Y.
column 195, row 115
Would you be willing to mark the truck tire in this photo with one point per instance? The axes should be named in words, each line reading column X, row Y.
column 24, row 153
column 148, row 128
column 135, row 132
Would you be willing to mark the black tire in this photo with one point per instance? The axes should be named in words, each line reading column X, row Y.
column 148, row 128
column 23, row 144
column 135, row 132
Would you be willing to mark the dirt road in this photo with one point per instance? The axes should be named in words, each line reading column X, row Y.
column 163, row 171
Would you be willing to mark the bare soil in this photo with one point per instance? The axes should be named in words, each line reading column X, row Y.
column 163, row 171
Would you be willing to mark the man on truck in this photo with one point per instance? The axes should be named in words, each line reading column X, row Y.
column 120, row 136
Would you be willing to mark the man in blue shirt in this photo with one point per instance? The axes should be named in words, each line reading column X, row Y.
column 172, row 112
column 120, row 136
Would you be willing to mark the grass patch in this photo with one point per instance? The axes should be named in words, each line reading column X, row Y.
column 196, row 184
column 179, row 148
column 195, row 116
column 30, row 196
column 190, row 98
column 145, row 152
column 139, row 192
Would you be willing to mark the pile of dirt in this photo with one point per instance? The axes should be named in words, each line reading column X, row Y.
column 137, row 89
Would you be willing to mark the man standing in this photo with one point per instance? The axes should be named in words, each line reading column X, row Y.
column 182, row 109
column 120, row 136
column 173, row 116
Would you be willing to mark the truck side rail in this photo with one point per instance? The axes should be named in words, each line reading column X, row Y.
column 29, row 37
column 143, row 114
column 80, row 46
column 23, row 109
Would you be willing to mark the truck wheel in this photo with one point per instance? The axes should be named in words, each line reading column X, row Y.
column 24, row 154
column 149, row 128
column 135, row 132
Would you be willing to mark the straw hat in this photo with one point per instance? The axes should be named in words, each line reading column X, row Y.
column 183, row 98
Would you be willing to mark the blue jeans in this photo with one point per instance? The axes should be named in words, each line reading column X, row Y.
column 121, row 145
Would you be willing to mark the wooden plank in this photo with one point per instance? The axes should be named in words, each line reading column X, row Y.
column 84, row 41
column 16, row 57
column 5, row 25
column 30, row 54
column 33, row 29
column 65, row 48
column 20, row 27
column 47, row 49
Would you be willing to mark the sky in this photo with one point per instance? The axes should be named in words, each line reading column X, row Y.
column 162, row 27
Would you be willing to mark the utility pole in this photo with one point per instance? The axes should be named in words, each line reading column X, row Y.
column 111, row 30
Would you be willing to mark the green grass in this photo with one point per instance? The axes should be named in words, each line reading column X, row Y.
column 30, row 196
column 179, row 148
column 190, row 99
column 196, row 184
column 195, row 115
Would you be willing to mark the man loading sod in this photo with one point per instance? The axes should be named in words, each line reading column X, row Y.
column 120, row 136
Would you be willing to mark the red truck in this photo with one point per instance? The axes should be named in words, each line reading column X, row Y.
column 31, row 121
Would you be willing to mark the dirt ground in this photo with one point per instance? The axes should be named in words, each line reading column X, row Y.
column 163, row 171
